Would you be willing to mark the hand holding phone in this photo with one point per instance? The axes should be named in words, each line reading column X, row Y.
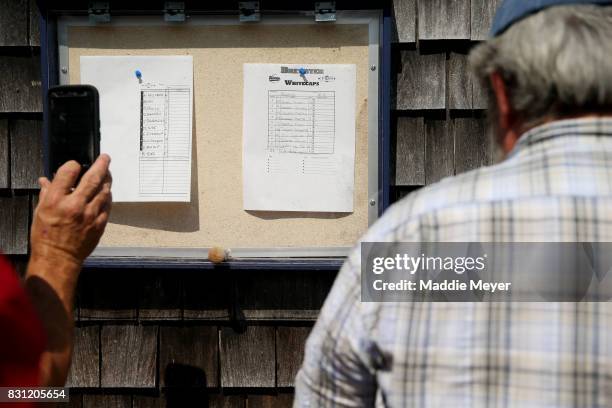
column 74, row 126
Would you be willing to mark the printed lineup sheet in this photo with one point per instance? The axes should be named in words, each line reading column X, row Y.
column 299, row 137
column 145, row 124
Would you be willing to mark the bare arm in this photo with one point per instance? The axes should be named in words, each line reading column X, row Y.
column 67, row 226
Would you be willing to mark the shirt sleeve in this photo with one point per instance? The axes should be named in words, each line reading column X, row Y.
column 23, row 337
column 336, row 369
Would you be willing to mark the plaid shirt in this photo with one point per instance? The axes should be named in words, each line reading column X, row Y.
column 556, row 185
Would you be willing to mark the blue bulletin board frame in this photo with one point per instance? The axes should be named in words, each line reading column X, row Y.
column 51, row 11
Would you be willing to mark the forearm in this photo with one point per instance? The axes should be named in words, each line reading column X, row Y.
column 50, row 282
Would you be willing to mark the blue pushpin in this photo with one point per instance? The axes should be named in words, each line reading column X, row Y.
column 302, row 71
column 138, row 74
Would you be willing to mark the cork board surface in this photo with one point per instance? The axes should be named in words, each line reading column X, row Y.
column 215, row 216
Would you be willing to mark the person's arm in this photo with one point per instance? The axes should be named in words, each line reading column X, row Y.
column 336, row 370
column 68, row 223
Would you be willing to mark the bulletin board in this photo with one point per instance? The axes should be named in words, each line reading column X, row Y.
column 220, row 46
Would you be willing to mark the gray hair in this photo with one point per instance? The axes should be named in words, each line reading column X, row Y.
column 555, row 63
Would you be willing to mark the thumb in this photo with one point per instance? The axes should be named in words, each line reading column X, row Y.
column 44, row 187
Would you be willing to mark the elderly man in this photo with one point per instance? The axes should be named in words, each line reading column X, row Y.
column 548, row 70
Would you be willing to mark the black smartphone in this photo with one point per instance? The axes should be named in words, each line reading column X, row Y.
column 74, row 126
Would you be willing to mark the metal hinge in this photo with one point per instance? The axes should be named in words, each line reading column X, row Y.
column 249, row 11
column 174, row 11
column 99, row 12
column 325, row 11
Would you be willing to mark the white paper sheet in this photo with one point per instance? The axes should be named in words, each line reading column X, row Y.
column 145, row 124
column 299, row 137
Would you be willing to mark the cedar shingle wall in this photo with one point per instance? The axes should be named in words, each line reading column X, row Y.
column 157, row 338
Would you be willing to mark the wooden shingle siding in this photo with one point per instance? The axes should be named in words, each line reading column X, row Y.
column 410, row 153
column 421, row 83
column 107, row 401
column 76, row 401
column 26, row 153
column 482, row 14
column 444, row 19
column 179, row 398
column 85, row 367
column 34, row 34
column 108, row 295
column 227, row 401
column 473, row 146
column 148, row 401
column 247, row 359
column 5, row 163
column 188, row 356
column 160, row 297
column 290, row 343
column 128, row 356
column 459, row 82
column 13, row 22
column 439, row 151
column 20, row 84
column 205, row 296
column 270, row 401
column 14, row 219
column 404, row 18
column 282, row 295
column 480, row 98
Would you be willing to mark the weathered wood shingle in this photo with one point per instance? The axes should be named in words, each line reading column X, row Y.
column 160, row 296
column 26, row 153
column 20, row 84
column 282, row 295
column 206, row 296
column 247, row 359
column 410, row 154
column 188, row 356
column 480, row 98
column 444, row 19
column 76, row 401
column 5, row 163
column 108, row 295
column 439, row 150
column 107, row 401
column 482, row 13
column 290, row 343
column 227, row 401
column 283, row 400
column 473, row 146
column 459, row 82
column 14, row 22
column 14, row 219
column 421, row 83
column 85, row 367
column 34, row 26
column 404, row 17
column 128, row 356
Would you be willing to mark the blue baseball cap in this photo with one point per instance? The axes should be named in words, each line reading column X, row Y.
column 512, row 11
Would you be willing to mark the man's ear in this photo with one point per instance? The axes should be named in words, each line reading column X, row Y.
column 503, row 101
column 505, row 115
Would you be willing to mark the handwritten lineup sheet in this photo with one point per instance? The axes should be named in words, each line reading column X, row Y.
column 299, row 137
column 145, row 123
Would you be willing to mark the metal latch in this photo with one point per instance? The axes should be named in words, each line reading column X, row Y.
column 99, row 12
column 325, row 11
column 249, row 11
column 174, row 11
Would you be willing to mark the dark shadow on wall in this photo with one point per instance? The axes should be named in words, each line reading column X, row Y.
column 186, row 386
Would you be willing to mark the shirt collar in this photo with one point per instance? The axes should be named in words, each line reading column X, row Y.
column 596, row 126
